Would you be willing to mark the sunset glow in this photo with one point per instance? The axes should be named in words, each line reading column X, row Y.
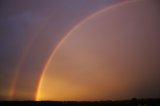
column 102, row 57
column 79, row 50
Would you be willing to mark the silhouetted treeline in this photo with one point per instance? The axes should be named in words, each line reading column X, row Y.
column 132, row 102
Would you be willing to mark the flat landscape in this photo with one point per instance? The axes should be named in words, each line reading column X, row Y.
column 132, row 102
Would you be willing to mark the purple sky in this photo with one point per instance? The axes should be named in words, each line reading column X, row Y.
column 31, row 29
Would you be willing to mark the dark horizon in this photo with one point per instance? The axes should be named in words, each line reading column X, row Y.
column 131, row 102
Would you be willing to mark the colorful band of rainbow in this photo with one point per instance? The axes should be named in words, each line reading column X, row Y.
column 70, row 32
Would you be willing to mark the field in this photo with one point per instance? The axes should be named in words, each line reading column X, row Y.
column 132, row 102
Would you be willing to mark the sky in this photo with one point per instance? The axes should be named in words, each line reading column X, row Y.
column 79, row 49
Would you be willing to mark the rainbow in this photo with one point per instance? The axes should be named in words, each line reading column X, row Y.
column 20, row 64
column 44, row 70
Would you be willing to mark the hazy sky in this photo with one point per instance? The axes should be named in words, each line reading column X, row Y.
column 113, row 55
